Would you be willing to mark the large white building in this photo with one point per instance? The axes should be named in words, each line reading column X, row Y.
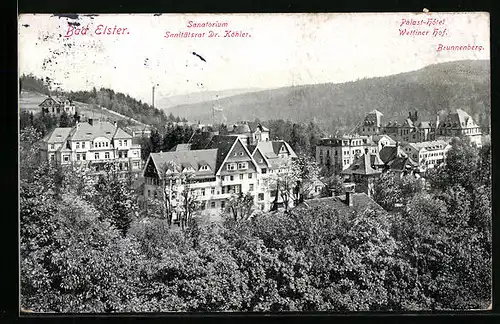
column 338, row 153
column 92, row 144
column 221, row 165
column 427, row 154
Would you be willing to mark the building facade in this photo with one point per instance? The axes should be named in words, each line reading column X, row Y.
column 372, row 124
column 225, row 167
column 93, row 145
column 56, row 106
column 460, row 124
column 427, row 154
column 338, row 153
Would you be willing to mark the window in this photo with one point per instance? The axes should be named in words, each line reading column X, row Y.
column 51, row 146
column 84, row 156
column 96, row 156
column 212, row 204
column 264, row 171
column 242, row 165
column 231, row 178
column 251, row 187
column 149, row 193
column 106, row 144
column 106, row 155
column 78, row 157
column 204, row 168
column 83, row 145
column 241, row 176
column 125, row 142
column 120, row 143
column 250, row 175
column 66, row 158
column 136, row 164
column 261, row 161
column 203, row 191
column 222, row 204
column 261, row 196
column 77, row 145
column 52, row 157
column 120, row 154
column 125, row 154
column 231, row 166
column 241, row 153
column 212, row 191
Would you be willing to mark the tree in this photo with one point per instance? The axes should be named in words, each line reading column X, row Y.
column 116, row 203
column 156, row 141
column 392, row 191
column 240, row 205
column 64, row 120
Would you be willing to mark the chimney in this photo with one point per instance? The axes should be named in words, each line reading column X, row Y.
column 349, row 191
column 409, row 114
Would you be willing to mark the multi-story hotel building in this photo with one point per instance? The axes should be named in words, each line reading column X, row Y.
column 93, row 144
column 460, row 123
column 338, row 153
column 223, row 168
column 427, row 154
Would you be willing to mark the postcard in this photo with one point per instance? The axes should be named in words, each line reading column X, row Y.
column 312, row 162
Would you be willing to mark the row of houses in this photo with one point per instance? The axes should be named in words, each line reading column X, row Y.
column 413, row 129
column 411, row 147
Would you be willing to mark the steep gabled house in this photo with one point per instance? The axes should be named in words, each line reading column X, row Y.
column 364, row 171
column 222, row 168
column 56, row 106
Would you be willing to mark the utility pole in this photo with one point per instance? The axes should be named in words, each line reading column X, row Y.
column 153, row 99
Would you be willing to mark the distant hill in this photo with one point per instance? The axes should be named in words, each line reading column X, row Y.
column 435, row 88
column 167, row 102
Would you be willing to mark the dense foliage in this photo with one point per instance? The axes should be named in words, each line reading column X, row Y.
column 85, row 249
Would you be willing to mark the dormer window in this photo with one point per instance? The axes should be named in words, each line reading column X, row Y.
column 204, row 167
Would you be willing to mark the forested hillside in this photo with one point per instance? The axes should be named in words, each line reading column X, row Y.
column 439, row 87
column 108, row 98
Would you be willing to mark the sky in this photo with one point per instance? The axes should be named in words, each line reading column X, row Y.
column 281, row 50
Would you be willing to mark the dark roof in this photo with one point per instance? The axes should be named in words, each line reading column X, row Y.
column 388, row 153
column 360, row 203
column 362, row 165
column 200, row 140
column 251, row 148
column 401, row 164
column 223, row 144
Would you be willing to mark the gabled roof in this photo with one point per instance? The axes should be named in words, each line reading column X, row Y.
column 401, row 164
column 57, row 135
column 388, row 153
column 458, row 119
column 120, row 133
column 429, row 146
column 377, row 138
column 254, row 126
column 87, row 132
column 362, row 166
column 223, row 144
column 186, row 159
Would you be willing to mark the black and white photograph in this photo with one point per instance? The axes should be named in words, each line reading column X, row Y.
column 269, row 163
